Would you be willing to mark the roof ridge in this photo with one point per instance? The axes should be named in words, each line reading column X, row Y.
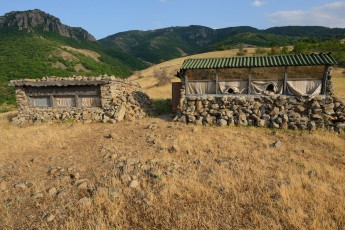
column 257, row 56
column 267, row 61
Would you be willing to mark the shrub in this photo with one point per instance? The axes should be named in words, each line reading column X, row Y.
column 163, row 106
column 162, row 77
column 260, row 50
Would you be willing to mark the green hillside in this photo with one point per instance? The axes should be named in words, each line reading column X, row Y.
column 34, row 52
column 164, row 44
column 24, row 55
column 173, row 42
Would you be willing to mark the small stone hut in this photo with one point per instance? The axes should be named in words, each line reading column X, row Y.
column 81, row 99
column 280, row 91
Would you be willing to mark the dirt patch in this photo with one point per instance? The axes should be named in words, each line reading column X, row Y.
column 95, row 56
column 59, row 65
column 81, row 68
column 182, row 52
column 65, row 55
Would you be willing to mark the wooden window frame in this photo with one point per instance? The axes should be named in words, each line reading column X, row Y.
column 52, row 97
column 31, row 101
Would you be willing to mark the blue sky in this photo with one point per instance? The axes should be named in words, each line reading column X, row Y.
column 106, row 17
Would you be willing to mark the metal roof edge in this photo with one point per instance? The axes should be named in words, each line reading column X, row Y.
column 260, row 61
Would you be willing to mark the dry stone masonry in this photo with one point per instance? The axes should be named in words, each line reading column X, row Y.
column 278, row 111
column 119, row 100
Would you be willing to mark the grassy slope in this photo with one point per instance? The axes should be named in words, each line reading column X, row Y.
column 339, row 82
column 24, row 55
column 148, row 81
column 211, row 177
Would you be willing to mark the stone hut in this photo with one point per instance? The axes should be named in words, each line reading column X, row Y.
column 280, row 91
column 80, row 99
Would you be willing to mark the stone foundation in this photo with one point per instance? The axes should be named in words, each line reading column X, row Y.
column 285, row 112
column 274, row 112
column 120, row 100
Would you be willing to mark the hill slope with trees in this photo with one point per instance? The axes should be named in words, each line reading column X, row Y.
column 154, row 46
column 34, row 44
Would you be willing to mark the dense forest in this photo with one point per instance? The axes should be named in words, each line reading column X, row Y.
column 155, row 46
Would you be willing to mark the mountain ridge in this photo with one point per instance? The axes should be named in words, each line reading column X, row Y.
column 167, row 43
column 31, row 19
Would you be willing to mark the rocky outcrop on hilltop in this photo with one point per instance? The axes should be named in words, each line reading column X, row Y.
column 38, row 20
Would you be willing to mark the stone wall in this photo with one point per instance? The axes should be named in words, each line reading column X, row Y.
column 286, row 112
column 120, row 100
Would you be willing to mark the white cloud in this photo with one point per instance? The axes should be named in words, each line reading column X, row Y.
column 257, row 3
column 163, row 1
column 330, row 15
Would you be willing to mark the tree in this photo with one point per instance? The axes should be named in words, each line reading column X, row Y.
column 285, row 50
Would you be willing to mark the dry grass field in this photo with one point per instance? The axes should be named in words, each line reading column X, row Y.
column 154, row 174
column 149, row 83
column 157, row 174
column 339, row 82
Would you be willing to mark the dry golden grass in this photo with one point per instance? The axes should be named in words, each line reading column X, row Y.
column 339, row 82
column 212, row 177
column 148, row 81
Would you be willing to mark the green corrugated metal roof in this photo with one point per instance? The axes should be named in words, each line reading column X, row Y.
column 260, row 61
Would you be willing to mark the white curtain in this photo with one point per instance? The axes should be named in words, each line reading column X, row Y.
column 304, row 88
column 233, row 87
column 202, row 87
column 267, row 87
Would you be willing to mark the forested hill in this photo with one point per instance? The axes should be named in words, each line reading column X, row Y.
column 34, row 44
column 168, row 43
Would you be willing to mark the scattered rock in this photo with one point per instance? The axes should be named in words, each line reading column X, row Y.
column 37, row 195
column 50, row 218
column 134, row 184
column 75, row 176
column 21, row 185
column 276, row 144
column 174, row 149
column 70, row 169
column 82, row 185
column 3, row 186
column 60, row 195
column 85, row 201
column 52, row 191
column 109, row 136
column 155, row 173
column 78, row 182
column 147, row 202
column 52, row 171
